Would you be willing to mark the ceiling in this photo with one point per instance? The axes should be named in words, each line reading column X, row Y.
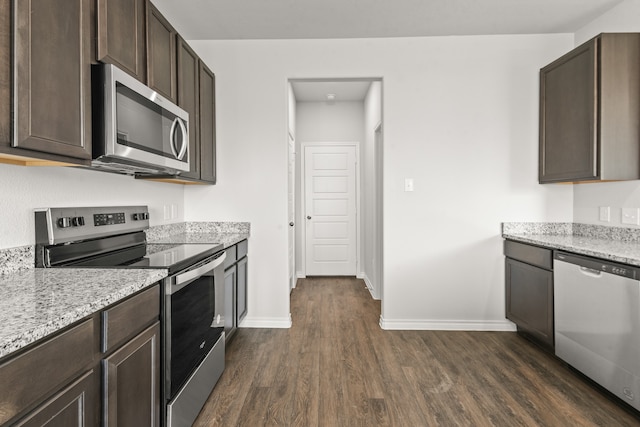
column 313, row 19
column 331, row 19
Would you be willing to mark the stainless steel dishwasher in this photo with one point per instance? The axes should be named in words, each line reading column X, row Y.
column 597, row 321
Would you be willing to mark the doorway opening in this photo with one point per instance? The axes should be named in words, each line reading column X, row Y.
column 325, row 118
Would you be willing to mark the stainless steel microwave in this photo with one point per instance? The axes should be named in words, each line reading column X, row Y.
column 135, row 129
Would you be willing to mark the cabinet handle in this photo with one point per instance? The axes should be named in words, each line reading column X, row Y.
column 308, row 216
column 291, row 224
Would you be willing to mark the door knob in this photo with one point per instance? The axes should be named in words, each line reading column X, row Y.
column 291, row 224
column 308, row 216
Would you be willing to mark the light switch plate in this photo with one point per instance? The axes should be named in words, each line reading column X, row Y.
column 605, row 213
column 408, row 184
column 630, row 216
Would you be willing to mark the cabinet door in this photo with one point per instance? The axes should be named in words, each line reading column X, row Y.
column 242, row 289
column 207, row 124
column 230, row 279
column 188, row 99
column 161, row 53
column 74, row 406
column 53, row 76
column 122, row 36
column 132, row 382
column 529, row 299
column 33, row 376
column 569, row 141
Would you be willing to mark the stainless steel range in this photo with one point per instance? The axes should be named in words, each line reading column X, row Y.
column 192, row 304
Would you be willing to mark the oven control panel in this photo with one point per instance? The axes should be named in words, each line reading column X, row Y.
column 108, row 219
column 63, row 225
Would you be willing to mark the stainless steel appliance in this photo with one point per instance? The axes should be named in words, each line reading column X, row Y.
column 136, row 130
column 193, row 301
column 597, row 321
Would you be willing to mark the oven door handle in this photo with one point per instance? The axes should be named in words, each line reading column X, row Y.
column 182, row 280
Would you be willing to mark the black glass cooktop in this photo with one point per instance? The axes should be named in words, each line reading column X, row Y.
column 173, row 257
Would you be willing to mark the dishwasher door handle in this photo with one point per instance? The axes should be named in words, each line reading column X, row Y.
column 590, row 272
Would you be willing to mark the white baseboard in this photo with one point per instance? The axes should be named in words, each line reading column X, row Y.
column 447, row 325
column 367, row 282
column 266, row 322
column 300, row 275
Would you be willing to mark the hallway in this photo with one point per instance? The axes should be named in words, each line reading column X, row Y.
column 336, row 367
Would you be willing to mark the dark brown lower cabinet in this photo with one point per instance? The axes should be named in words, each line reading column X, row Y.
column 241, row 289
column 529, row 291
column 74, row 406
column 29, row 381
column 235, row 286
column 132, row 382
column 58, row 381
column 230, row 296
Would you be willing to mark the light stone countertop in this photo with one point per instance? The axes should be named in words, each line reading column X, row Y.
column 38, row 302
column 611, row 243
column 227, row 239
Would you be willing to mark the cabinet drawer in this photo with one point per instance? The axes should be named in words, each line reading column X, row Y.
column 232, row 256
column 125, row 320
column 32, row 376
column 533, row 255
column 243, row 248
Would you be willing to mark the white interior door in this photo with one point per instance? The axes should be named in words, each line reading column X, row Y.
column 292, row 212
column 330, row 210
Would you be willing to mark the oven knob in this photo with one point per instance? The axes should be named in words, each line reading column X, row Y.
column 140, row 216
column 64, row 222
column 77, row 221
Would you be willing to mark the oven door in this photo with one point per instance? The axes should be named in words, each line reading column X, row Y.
column 193, row 319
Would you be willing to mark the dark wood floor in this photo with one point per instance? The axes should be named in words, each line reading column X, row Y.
column 336, row 367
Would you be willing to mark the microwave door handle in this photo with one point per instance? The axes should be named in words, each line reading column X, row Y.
column 172, row 142
column 185, row 139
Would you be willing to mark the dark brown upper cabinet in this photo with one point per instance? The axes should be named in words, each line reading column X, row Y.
column 52, row 78
column 5, row 73
column 188, row 99
column 197, row 96
column 207, row 124
column 161, row 54
column 590, row 112
column 121, row 33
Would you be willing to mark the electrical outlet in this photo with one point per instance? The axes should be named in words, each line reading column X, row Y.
column 630, row 216
column 605, row 213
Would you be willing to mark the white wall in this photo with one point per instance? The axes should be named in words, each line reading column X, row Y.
column 25, row 188
column 460, row 117
column 616, row 195
column 324, row 122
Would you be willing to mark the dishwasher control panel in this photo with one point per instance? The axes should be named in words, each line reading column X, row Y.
column 596, row 265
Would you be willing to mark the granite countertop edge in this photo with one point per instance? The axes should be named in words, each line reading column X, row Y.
column 25, row 318
column 583, row 240
column 226, row 239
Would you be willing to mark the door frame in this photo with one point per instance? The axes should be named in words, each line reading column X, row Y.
column 303, row 197
column 378, row 206
column 292, row 245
